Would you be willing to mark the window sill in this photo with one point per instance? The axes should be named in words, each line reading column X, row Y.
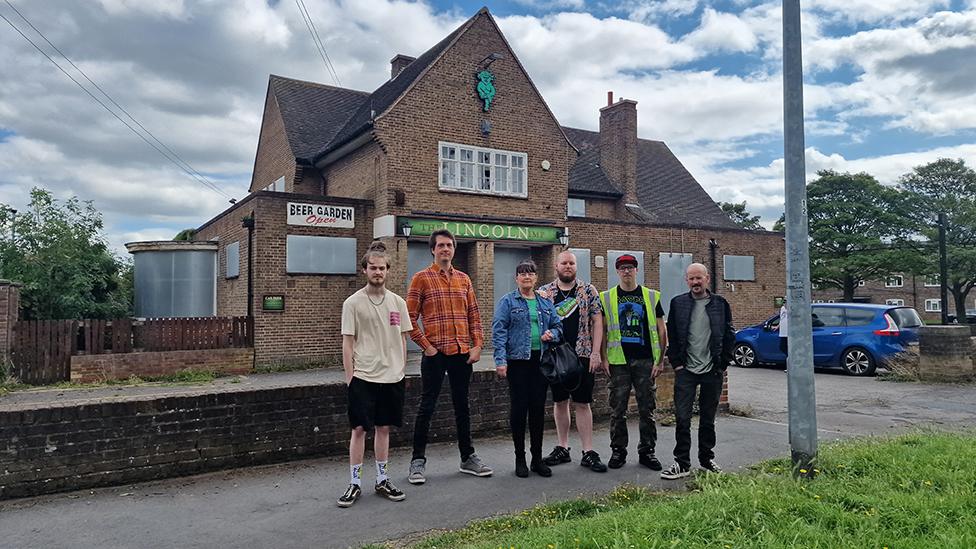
column 482, row 193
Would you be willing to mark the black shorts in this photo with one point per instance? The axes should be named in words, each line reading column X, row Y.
column 372, row 404
column 582, row 394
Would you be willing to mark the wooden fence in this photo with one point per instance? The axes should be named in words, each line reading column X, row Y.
column 42, row 349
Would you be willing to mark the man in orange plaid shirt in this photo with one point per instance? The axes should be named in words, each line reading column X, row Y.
column 442, row 298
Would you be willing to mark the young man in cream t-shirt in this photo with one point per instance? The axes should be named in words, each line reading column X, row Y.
column 375, row 323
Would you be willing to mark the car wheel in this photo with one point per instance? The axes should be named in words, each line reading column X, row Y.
column 743, row 356
column 857, row 362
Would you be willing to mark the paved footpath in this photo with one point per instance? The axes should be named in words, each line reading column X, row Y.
column 293, row 505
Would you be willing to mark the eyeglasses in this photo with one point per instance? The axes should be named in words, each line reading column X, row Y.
column 524, row 273
column 626, row 268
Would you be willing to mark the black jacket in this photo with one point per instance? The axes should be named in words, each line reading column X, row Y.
column 679, row 321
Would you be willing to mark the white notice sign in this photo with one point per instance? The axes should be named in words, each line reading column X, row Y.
column 321, row 215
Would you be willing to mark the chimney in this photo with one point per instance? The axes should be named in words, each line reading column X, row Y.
column 618, row 145
column 399, row 63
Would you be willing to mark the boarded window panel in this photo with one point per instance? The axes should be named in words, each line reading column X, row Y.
column 321, row 255
column 576, row 207
column 739, row 267
column 233, row 259
column 583, row 263
column 612, row 256
column 672, row 267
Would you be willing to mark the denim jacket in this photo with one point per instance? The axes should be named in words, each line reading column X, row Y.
column 510, row 329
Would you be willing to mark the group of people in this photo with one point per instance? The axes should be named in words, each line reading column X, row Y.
column 621, row 332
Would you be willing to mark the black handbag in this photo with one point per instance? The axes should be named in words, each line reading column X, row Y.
column 562, row 367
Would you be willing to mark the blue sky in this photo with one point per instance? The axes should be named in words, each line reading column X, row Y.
column 889, row 86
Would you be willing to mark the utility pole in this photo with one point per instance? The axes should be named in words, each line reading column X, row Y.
column 944, row 274
column 801, row 396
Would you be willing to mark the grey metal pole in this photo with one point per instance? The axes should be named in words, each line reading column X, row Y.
column 800, row 384
column 944, row 275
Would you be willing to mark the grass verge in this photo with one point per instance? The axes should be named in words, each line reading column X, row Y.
column 915, row 490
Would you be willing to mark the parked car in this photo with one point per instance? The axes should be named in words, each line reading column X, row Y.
column 970, row 317
column 856, row 337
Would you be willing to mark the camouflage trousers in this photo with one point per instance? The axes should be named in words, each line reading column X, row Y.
column 634, row 374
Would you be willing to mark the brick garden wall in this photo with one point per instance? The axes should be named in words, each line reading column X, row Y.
column 104, row 367
column 59, row 448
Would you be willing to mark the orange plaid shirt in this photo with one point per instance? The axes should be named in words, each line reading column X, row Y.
column 445, row 302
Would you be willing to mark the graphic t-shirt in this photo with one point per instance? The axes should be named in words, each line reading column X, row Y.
column 567, row 307
column 635, row 335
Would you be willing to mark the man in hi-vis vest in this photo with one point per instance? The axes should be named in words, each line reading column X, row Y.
column 634, row 341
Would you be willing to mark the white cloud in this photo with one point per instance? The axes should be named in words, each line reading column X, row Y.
column 167, row 8
column 874, row 11
column 644, row 10
column 722, row 32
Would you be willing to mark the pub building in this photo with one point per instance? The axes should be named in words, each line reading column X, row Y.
column 461, row 138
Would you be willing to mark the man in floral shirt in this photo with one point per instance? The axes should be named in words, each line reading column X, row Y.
column 578, row 305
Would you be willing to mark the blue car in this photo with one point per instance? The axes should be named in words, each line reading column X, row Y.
column 856, row 337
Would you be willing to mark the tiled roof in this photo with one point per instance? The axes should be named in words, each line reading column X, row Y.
column 666, row 191
column 313, row 113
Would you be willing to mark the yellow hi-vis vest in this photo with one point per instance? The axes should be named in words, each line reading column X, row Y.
column 615, row 350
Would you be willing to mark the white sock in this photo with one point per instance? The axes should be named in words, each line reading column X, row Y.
column 381, row 472
column 356, row 474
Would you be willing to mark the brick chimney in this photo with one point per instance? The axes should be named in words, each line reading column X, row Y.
column 618, row 145
column 399, row 63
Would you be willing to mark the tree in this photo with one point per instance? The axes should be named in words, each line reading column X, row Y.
column 60, row 255
column 947, row 186
column 185, row 234
column 780, row 225
column 740, row 216
column 857, row 229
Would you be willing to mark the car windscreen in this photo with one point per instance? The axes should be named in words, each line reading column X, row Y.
column 905, row 317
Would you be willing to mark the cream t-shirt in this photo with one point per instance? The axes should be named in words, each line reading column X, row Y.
column 378, row 329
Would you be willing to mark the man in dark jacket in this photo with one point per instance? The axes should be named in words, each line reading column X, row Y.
column 701, row 340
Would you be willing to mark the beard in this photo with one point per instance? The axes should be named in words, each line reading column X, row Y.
column 566, row 278
column 376, row 284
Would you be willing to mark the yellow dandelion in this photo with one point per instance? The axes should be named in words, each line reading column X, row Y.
column 804, row 471
column 928, row 483
column 816, row 496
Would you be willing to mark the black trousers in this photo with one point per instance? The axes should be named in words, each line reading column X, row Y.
column 432, row 372
column 527, row 389
column 710, row 391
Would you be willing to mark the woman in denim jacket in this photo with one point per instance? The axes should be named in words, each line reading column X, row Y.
column 521, row 331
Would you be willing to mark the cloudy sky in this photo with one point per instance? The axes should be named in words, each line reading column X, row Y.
column 889, row 85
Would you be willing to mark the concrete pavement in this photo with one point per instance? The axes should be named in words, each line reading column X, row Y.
column 293, row 505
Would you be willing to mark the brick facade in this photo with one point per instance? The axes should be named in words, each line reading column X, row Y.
column 274, row 157
column 914, row 292
column 9, row 313
column 106, row 367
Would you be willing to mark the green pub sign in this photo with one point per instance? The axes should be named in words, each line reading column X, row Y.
column 274, row 302
column 485, row 231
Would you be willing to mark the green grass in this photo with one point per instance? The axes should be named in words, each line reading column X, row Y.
column 916, row 490
column 183, row 377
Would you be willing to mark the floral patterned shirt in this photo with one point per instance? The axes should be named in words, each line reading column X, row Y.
column 589, row 307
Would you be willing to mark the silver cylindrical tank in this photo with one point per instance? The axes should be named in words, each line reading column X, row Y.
column 174, row 278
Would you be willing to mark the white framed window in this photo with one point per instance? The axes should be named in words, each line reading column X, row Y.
column 576, row 207
column 894, row 281
column 933, row 306
column 817, row 301
column 932, row 281
column 895, row 302
column 277, row 185
column 480, row 170
column 861, row 283
column 830, row 301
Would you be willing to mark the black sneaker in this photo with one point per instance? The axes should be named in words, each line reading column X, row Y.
column 521, row 469
column 350, row 497
column 650, row 461
column 618, row 458
column 558, row 456
column 389, row 491
column 591, row 459
column 711, row 466
column 675, row 472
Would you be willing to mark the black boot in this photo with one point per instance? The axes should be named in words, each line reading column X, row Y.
column 540, row 468
column 521, row 469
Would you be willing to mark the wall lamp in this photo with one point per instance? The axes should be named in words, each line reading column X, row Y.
column 405, row 228
column 563, row 237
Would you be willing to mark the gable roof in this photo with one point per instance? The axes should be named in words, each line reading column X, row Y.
column 667, row 192
column 312, row 113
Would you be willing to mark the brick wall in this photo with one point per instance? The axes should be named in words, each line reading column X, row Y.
column 751, row 301
column 913, row 292
column 359, row 175
column 9, row 313
column 274, row 157
column 57, row 448
column 444, row 106
column 99, row 368
column 227, row 229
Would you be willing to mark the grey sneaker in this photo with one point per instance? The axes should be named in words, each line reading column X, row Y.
column 711, row 466
column 417, row 467
column 675, row 472
column 474, row 466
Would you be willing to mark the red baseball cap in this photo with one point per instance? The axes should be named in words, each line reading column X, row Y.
column 624, row 259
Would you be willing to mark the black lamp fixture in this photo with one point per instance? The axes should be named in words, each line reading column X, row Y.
column 491, row 58
column 405, row 228
column 563, row 237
